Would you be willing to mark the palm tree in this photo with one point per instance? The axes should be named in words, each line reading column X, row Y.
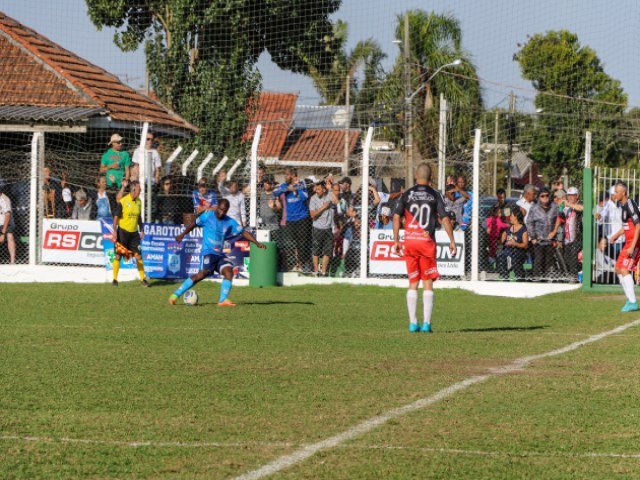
column 332, row 84
column 435, row 40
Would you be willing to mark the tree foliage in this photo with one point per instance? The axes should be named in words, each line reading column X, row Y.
column 574, row 95
column 202, row 54
column 435, row 40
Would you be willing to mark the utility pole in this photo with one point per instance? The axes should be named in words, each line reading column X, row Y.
column 442, row 142
column 510, row 135
column 408, row 132
column 347, row 123
column 495, row 154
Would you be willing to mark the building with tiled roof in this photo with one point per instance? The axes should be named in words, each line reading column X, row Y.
column 45, row 83
column 320, row 148
column 275, row 113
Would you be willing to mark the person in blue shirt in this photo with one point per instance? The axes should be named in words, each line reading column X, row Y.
column 217, row 227
column 296, row 221
column 202, row 197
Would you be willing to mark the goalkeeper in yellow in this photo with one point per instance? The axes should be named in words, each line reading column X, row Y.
column 128, row 232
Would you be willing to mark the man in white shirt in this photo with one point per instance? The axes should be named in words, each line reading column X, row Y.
column 527, row 200
column 6, row 224
column 229, row 190
column 139, row 155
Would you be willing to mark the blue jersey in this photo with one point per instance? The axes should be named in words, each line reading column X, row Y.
column 295, row 207
column 216, row 231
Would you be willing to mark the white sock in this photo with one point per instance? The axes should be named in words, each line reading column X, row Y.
column 624, row 286
column 412, row 304
column 629, row 287
column 427, row 300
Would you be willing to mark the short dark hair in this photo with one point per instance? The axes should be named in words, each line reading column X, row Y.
column 501, row 191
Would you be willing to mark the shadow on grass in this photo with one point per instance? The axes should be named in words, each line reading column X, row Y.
column 276, row 302
column 503, row 329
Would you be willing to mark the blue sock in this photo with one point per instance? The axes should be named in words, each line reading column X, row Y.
column 186, row 285
column 225, row 288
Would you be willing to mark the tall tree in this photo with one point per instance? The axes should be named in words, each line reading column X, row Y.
column 435, row 40
column 202, row 54
column 575, row 95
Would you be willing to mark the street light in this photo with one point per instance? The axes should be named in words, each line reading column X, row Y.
column 409, row 120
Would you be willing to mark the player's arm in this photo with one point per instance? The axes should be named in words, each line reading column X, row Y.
column 635, row 218
column 140, row 227
column 186, row 231
column 246, row 235
column 448, row 227
column 397, row 247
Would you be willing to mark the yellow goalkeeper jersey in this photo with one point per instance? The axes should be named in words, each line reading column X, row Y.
column 128, row 212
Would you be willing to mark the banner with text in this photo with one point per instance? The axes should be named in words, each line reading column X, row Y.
column 382, row 260
column 163, row 257
column 76, row 242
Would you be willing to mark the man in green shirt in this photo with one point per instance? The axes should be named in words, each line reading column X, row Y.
column 115, row 162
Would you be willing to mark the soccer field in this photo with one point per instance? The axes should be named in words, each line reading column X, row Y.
column 314, row 382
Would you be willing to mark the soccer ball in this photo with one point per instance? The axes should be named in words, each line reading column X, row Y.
column 191, row 298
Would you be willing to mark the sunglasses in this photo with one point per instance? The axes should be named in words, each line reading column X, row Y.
column 543, row 195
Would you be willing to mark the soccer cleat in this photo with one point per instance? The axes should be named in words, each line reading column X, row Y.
column 173, row 299
column 426, row 328
column 413, row 327
column 630, row 307
column 145, row 283
column 226, row 303
column 114, row 283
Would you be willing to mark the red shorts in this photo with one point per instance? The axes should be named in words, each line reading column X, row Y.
column 421, row 260
column 628, row 263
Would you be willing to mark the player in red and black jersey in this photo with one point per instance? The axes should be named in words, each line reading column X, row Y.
column 422, row 208
column 630, row 254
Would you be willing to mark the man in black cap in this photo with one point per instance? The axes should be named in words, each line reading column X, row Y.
column 6, row 223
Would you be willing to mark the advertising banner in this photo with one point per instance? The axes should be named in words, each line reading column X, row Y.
column 108, row 243
column 382, row 260
column 76, row 242
column 163, row 257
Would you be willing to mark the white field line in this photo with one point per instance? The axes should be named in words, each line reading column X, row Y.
column 244, row 445
column 307, row 451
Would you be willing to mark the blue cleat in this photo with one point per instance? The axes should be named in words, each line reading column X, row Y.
column 426, row 328
column 630, row 307
column 413, row 327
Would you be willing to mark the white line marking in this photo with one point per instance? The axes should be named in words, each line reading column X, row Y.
column 307, row 451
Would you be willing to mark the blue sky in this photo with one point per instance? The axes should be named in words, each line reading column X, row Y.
column 491, row 33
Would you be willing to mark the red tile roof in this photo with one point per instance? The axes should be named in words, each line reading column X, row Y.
column 274, row 112
column 37, row 72
column 319, row 146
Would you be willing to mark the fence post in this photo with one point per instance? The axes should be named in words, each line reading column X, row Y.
column 38, row 137
column 253, row 201
column 587, row 217
column 170, row 160
column 143, row 176
column 185, row 165
column 202, row 166
column 475, row 215
column 364, row 222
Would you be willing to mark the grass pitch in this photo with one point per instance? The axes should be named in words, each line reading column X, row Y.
column 103, row 382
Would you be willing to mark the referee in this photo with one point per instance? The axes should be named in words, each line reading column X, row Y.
column 127, row 224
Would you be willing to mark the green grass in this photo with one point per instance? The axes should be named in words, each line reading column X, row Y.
column 85, row 370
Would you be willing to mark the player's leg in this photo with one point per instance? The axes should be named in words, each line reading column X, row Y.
column 623, row 267
column 187, row 284
column 427, row 305
column 413, row 271
column 225, row 288
column 116, row 269
column 428, row 273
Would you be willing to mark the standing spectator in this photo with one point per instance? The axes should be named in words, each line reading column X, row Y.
column 229, row 190
column 385, row 221
column 322, row 234
column 454, row 205
column 268, row 205
column 295, row 218
column 7, row 224
column 140, row 154
column 52, row 194
column 515, row 240
column 345, row 190
column 167, row 209
column 501, row 203
column 128, row 232
column 115, row 163
column 540, row 224
column 605, row 266
column 203, row 198
column 461, row 192
column 611, row 215
column 495, row 228
column 83, row 206
column 572, row 219
column 630, row 254
column 67, row 198
column 103, row 200
column 425, row 206
column 527, row 200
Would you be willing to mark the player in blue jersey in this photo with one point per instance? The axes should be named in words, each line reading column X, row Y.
column 217, row 227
